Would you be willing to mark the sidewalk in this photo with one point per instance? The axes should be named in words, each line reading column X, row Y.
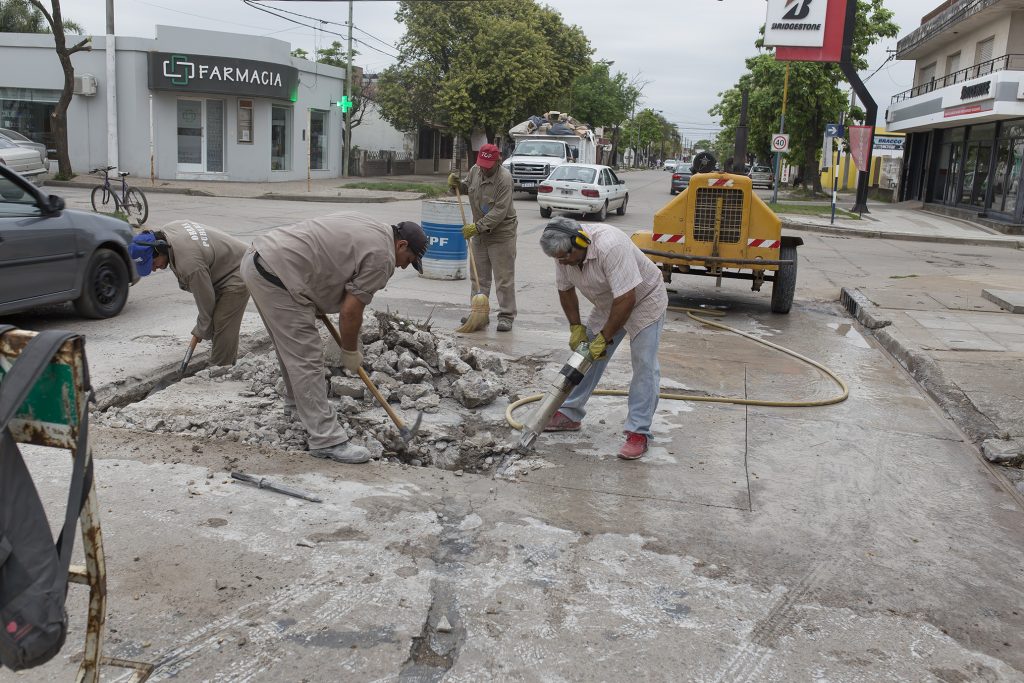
column 317, row 189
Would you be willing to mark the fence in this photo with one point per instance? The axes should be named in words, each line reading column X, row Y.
column 369, row 163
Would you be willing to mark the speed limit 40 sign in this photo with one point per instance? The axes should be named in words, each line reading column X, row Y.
column 780, row 142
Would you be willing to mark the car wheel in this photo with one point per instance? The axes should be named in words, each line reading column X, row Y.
column 602, row 215
column 545, row 212
column 784, row 284
column 104, row 287
column 621, row 211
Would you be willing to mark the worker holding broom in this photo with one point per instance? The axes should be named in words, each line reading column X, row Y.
column 629, row 297
column 205, row 261
column 324, row 265
column 492, row 237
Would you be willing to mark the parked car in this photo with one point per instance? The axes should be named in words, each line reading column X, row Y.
column 50, row 254
column 583, row 189
column 761, row 175
column 22, row 141
column 680, row 179
column 670, row 165
column 21, row 159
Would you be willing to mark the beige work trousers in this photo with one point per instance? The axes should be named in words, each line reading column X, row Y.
column 300, row 353
column 496, row 261
column 227, row 321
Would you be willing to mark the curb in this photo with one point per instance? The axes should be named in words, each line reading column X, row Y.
column 133, row 389
column 267, row 195
column 925, row 370
column 902, row 236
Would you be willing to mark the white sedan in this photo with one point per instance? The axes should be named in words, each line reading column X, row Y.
column 24, row 160
column 583, row 189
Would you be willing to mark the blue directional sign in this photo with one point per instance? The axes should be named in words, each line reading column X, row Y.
column 834, row 130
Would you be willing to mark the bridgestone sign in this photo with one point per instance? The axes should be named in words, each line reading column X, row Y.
column 222, row 75
column 799, row 23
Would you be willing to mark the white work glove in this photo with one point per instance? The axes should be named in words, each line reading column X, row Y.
column 352, row 360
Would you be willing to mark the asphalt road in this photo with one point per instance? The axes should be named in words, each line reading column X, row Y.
column 861, row 541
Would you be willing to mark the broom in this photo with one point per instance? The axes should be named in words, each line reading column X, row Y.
column 480, row 307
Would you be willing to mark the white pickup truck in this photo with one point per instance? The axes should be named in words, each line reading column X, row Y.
column 543, row 143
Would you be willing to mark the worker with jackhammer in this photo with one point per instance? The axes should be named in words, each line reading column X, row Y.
column 324, row 265
column 629, row 297
column 489, row 188
column 205, row 261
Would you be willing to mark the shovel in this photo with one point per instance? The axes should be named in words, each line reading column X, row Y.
column 406, row 433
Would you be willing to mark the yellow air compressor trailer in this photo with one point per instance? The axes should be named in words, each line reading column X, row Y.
column 720, row 228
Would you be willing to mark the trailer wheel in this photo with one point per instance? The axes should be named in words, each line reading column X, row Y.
column 784, row 284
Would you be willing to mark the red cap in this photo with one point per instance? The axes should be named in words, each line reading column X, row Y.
column 487, row 156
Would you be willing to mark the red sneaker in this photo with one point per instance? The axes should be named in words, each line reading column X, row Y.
column 560, row 423
column 635, row 446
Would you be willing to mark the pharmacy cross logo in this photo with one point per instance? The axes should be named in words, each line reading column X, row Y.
column 181, row 69
column 800, row 9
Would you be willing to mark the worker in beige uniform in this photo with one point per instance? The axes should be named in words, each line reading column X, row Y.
column 629, row 297
column 324, row 265
column 205, row 261
column 489, row 188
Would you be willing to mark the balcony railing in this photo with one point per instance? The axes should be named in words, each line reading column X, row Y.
column 1004, row 63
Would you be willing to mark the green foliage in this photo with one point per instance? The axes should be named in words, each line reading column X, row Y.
column 600, row 99
column 19, row 16
column 429, row 190
column 817, row 95
column 650, row 131
column 480, row 65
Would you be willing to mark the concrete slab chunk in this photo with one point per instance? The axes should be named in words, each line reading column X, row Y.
column 1005, row 299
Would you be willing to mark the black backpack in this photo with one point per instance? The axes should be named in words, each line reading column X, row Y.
column 34, row 570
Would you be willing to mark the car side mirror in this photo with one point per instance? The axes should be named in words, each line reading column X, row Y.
column 54, row 203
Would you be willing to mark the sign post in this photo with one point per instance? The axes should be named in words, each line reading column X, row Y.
column 782, row 129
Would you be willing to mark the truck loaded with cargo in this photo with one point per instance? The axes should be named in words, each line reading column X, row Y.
column 543, row 143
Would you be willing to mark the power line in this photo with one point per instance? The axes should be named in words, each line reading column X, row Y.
column 256, row 5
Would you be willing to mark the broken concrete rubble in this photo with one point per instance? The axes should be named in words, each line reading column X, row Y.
column 411, row 365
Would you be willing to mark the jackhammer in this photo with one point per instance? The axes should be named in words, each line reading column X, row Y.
column 569, row 376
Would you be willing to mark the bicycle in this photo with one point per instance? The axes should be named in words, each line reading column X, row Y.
column 132, row 201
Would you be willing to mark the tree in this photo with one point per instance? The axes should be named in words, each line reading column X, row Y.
column 19, row 16
column 479, row 65
column 336, row 55
column 815, row 95
column 644, row 131
column 59, row 116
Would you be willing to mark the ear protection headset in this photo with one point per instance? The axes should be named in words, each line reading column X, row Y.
column 579, row 237
column 147, row 238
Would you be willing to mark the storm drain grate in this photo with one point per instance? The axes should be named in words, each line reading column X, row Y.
column 718, row 206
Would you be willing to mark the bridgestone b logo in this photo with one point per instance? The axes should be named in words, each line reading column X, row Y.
column 799, row 10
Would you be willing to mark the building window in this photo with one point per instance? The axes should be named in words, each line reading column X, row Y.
column 926, row 81
column 983, row 54
column 245, row 122
column 280, row 129
column 952, row 66
column 318, row 139
column 27, row 111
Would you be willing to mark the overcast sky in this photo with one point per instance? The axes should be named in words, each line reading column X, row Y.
column 687, row 50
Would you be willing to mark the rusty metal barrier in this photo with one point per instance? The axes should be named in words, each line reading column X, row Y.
column 49, row 417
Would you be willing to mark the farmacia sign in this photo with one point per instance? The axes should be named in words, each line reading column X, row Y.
column 223, row 75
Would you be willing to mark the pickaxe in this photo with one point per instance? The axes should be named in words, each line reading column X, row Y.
column 406, row 433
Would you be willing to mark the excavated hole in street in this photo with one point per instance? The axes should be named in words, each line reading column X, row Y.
column 462, row 390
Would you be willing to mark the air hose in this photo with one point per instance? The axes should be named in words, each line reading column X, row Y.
column 839, row 398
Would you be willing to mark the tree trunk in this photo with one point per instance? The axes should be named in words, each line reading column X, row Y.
column 60, row 115
column 615, row 148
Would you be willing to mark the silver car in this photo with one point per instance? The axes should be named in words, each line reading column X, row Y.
column 50, row 254
column 22, row 141
column 24, row 160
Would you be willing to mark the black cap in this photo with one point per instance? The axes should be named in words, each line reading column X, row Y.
column 413, row 234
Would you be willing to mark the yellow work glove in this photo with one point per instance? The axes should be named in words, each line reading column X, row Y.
column 597, row 347
column 469, row 230
column 352, row 360
column 577, row 335
column 453, row 181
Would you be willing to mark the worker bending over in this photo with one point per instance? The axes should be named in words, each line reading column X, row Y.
column 324, row 265
column 205, row 261
column 629, row 296
column 489, row 188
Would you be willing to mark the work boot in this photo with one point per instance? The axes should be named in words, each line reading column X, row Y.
column 560, row 423
column 346, row 452
column 504, row 325
column 465, row 318
column 635, row 446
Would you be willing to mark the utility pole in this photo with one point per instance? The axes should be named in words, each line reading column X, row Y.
column 870, row 107
column 740, row 153
column 782, row 129
column 110, row 51
column 347, row 151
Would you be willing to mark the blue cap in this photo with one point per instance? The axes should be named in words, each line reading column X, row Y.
column 142, row 250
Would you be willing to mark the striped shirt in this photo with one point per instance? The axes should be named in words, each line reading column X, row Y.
column 612, row 267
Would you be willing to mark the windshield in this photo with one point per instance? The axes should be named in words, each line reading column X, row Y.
column 574, row 174
column 539, row 148
column 6, row 144
column 14, row 135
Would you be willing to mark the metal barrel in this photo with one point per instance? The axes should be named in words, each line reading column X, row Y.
column 446, row 247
